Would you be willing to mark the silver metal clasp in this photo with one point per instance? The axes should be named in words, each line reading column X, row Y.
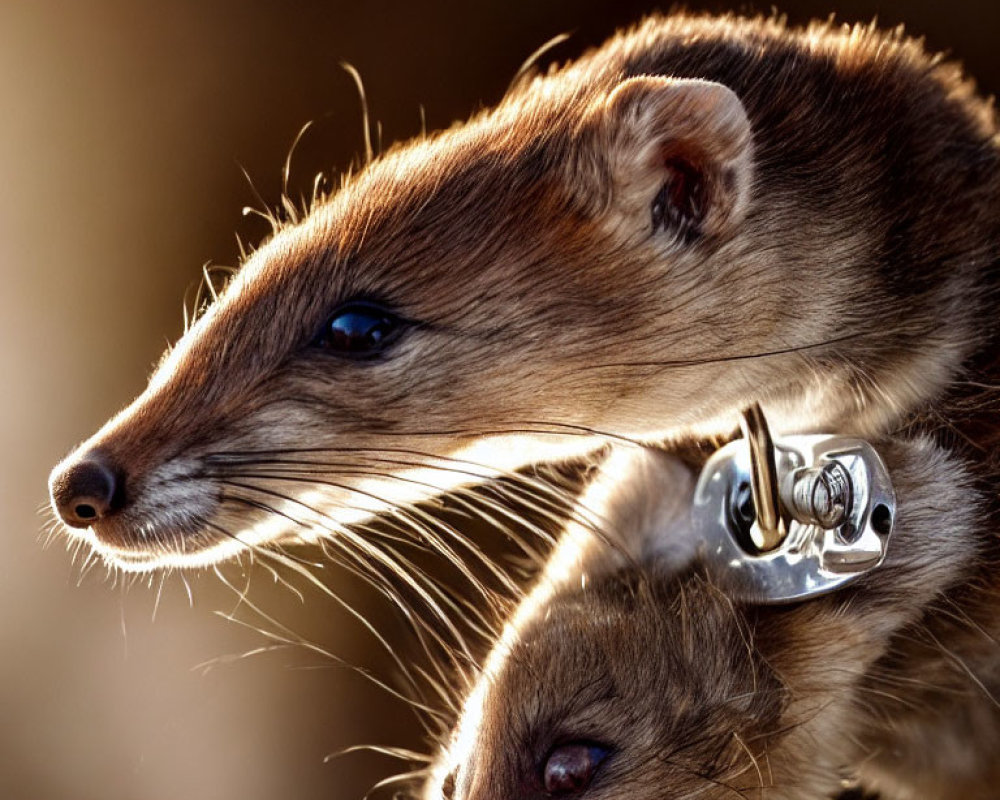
column 796, row 517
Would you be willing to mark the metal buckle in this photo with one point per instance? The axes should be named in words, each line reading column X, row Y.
column 795, row 518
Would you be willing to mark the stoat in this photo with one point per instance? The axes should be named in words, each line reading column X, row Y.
column 630, row 671
column 701, row 213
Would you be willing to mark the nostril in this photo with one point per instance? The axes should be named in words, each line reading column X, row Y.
column 86, row 490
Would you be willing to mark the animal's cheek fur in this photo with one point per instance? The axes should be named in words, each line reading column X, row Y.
column 446, row 381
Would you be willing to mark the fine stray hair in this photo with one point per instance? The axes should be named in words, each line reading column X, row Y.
column 703, row 213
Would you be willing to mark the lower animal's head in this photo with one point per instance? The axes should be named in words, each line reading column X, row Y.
column 643, row 687
column 651, row 680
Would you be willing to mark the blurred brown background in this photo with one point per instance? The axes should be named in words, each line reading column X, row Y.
column 122, row 128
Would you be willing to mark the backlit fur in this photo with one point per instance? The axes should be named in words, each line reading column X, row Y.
column 843, row 274
column 892, row 683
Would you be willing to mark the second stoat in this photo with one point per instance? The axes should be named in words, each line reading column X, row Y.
column 630, row 672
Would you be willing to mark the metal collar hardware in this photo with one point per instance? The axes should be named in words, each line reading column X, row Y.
column 793, row 518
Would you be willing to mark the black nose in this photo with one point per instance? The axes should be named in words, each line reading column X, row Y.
column 87, row 489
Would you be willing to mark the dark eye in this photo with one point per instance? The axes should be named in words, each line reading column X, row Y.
column 360, row 330
column 571, row 767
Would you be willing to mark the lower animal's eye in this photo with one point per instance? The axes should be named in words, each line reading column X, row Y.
column 360, row 330
column 571, row 767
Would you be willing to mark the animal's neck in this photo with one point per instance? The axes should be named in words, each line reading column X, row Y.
column 966, row 419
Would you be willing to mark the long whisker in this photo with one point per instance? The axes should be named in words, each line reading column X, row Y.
column 558, row 500
column 488, row 632
column 419, row 520
column 403, row 777
column 513, row 428
column 300, row 569
column 288, row 638
column 370, row 550
column 393, row 752
column 362, row 571
column 708, row 360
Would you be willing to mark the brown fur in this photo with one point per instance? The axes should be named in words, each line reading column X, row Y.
column 841, row 270
column 892, row 682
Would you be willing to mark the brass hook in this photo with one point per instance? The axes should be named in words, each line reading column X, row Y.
column 770, row 529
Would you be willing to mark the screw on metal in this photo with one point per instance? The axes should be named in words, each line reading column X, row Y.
column 818, row 495
column 770, row 530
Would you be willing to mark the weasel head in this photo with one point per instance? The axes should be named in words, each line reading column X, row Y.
column 622, row 684
column 650, row 681
column 459, row 309
column 645, row 686
column 571, row 265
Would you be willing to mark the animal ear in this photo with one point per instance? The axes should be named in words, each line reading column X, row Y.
column 679, row 153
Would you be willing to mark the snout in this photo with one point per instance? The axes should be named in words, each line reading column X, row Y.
column 87, row 488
